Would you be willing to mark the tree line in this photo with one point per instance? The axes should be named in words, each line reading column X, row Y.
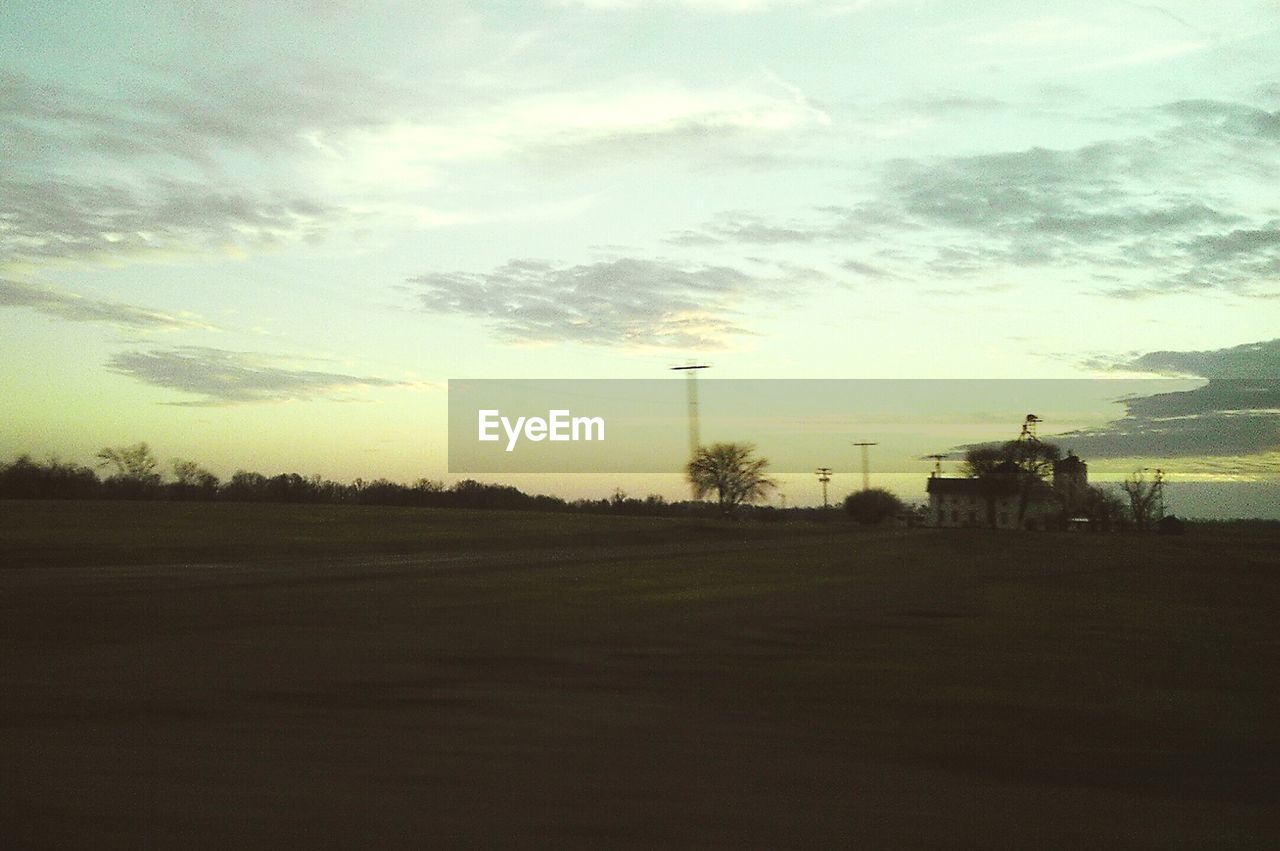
column 730, row 471
column 135, row 473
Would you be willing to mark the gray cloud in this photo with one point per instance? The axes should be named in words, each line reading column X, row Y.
column 866, row 270
column 227, row 378
column 1250, row 360
column 621, row 302
column 70, row 220
column 1218, row 420
column 192, row 117
column 1153, row 207
column 829, row 224
column 1236, row 413
column 1229, row 119
column 75, row 308
column 172, row 185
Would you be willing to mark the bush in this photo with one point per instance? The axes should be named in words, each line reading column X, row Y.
column 872, row 506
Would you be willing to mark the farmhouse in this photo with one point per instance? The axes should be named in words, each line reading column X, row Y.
column 967, row 502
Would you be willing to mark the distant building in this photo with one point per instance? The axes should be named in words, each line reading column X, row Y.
column 1071, row 482
column 958, row 502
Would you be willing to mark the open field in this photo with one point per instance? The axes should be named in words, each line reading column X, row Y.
column 131, row 533
column 341, row 676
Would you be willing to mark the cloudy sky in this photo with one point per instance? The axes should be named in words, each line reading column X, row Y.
column 266, row 234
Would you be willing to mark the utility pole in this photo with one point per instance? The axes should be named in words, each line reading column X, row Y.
column 1157, row 490
column 824, row 476
column 866, row 464
column 695, row 439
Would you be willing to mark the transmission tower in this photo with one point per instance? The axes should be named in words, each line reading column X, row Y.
column 695, row 439
column 866, row 464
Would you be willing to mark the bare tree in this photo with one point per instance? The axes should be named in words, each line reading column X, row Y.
column 1144, row 498
column 192, row 475
column 131, row 463
column 134, row 470
column 730, row 470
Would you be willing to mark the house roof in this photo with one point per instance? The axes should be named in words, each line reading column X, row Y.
column 938, row 484
column 979, row 487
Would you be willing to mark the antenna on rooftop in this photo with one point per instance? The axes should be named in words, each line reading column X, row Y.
column 937, row 465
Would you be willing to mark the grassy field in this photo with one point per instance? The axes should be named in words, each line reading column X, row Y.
column 369, row 677
column 61, row 533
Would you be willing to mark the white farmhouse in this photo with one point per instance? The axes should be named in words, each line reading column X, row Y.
column 966, row 502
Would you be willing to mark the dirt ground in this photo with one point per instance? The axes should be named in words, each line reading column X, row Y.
column 884, row 689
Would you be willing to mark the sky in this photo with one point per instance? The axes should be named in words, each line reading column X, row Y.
column 267, row 235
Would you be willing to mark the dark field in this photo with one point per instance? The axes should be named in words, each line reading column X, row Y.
column 224, row 675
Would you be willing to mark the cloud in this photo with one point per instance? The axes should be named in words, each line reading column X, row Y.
column 66, row 220
column 1236, row 413
column 168, row 169
column 1228, row 119
column 1250, row 360
column 187, row 117
column 626, row 118
column 191, row 161
column 827, row 7
column 827, row 224
column 76, row 308
column 1163, row 212
column 866, row 270
column 228, row 378
column 1225, row 418
column 629, row 302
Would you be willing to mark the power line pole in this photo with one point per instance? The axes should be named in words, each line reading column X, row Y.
column 824, row 476
column 695, row 439
column 866, row 464
column 1157, row 490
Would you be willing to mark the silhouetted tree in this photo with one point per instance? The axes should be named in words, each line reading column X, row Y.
column 1104, row 508
column 1015, row 466
column 996, row 473
column 874, row 505
column 245, row 486
column 191, row 481
column 1144, row 499
column 27, row 479
column 730, row 470
column 135, row 470
column 1034, row 459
